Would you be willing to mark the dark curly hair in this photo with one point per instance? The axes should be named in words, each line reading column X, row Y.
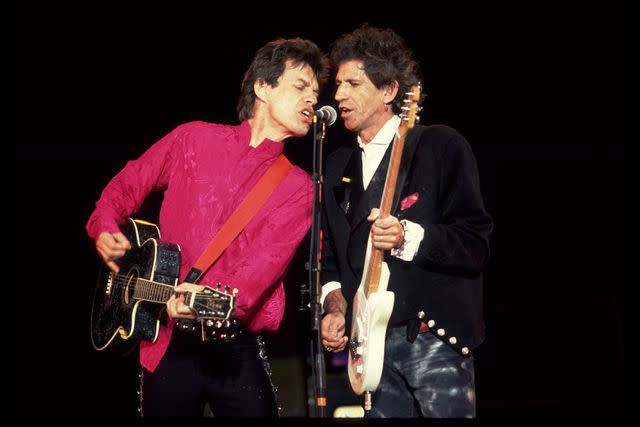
column 269, row 63
column 385, row 57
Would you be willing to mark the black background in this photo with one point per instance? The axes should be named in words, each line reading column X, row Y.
column 535, row 90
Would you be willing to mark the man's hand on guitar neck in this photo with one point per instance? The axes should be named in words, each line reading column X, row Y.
column 332, row 326
column 386, row 233
column 110, row 247
column 176, row 307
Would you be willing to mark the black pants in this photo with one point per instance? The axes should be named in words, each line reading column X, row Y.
column 232, row 377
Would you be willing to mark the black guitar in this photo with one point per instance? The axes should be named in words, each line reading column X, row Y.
column 127, row 306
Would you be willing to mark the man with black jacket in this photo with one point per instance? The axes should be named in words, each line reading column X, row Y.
column 436, row 241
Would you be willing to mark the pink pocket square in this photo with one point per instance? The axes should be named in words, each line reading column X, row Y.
column 408, row 201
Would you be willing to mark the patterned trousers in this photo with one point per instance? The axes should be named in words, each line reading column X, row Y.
column 426, row 378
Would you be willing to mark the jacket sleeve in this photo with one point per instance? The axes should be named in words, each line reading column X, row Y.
column 460, row 239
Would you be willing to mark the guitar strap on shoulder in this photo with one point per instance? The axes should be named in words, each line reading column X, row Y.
column 240, row 217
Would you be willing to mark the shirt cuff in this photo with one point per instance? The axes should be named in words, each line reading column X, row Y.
column 326, row 288
column 413, row 235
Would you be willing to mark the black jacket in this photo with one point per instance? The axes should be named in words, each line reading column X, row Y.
column 444, row 280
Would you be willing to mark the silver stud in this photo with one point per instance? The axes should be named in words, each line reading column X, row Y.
column 421, row 314
column 453, row 340
column 465, row 350
column 431, row 323
column 441, row 332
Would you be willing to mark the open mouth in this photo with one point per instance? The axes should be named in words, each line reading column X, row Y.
column 344, row 111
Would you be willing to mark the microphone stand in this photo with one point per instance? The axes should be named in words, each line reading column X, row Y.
column 314, row 267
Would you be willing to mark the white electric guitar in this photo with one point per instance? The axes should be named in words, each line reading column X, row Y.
column 373, row 304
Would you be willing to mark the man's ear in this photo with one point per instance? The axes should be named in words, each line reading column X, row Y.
column 390, row 92
column 260, row 88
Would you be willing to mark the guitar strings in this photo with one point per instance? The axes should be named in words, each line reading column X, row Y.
column 122, row 281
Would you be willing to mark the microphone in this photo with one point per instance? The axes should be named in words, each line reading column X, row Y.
column 326, row 114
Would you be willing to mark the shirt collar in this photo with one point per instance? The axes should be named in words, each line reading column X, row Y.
column 385, row 134
column 268, row 146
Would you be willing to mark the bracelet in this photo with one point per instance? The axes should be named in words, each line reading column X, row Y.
column 404, row 232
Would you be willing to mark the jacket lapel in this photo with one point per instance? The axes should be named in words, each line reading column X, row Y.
column 371, row 197
column 350, row 186
column 410, row 145
column 356, row 203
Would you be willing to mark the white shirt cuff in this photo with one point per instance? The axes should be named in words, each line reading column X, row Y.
column 326, row 288
column 413, row 235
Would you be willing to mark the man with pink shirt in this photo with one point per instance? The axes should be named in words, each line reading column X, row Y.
column 205, row 171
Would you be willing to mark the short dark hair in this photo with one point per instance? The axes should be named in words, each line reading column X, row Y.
column 269, row 64
column 385, row 57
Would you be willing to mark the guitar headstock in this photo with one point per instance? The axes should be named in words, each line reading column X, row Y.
column 216, row 304
column 411, row 106
column 217, row 322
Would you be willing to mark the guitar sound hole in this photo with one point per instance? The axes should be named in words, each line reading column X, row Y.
column 129, row 287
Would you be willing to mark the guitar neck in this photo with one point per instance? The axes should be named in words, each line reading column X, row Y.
column 392, row 172
column 148, row 290
column 374, row 269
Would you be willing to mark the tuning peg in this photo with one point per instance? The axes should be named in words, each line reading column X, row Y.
column 235, row 291
column 218, row 285
column 226, row 288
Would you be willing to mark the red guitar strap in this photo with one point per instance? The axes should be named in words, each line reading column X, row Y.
column 240, row 217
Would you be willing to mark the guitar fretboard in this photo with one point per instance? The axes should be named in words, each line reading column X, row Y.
column 374, row 270
column 148, row 290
